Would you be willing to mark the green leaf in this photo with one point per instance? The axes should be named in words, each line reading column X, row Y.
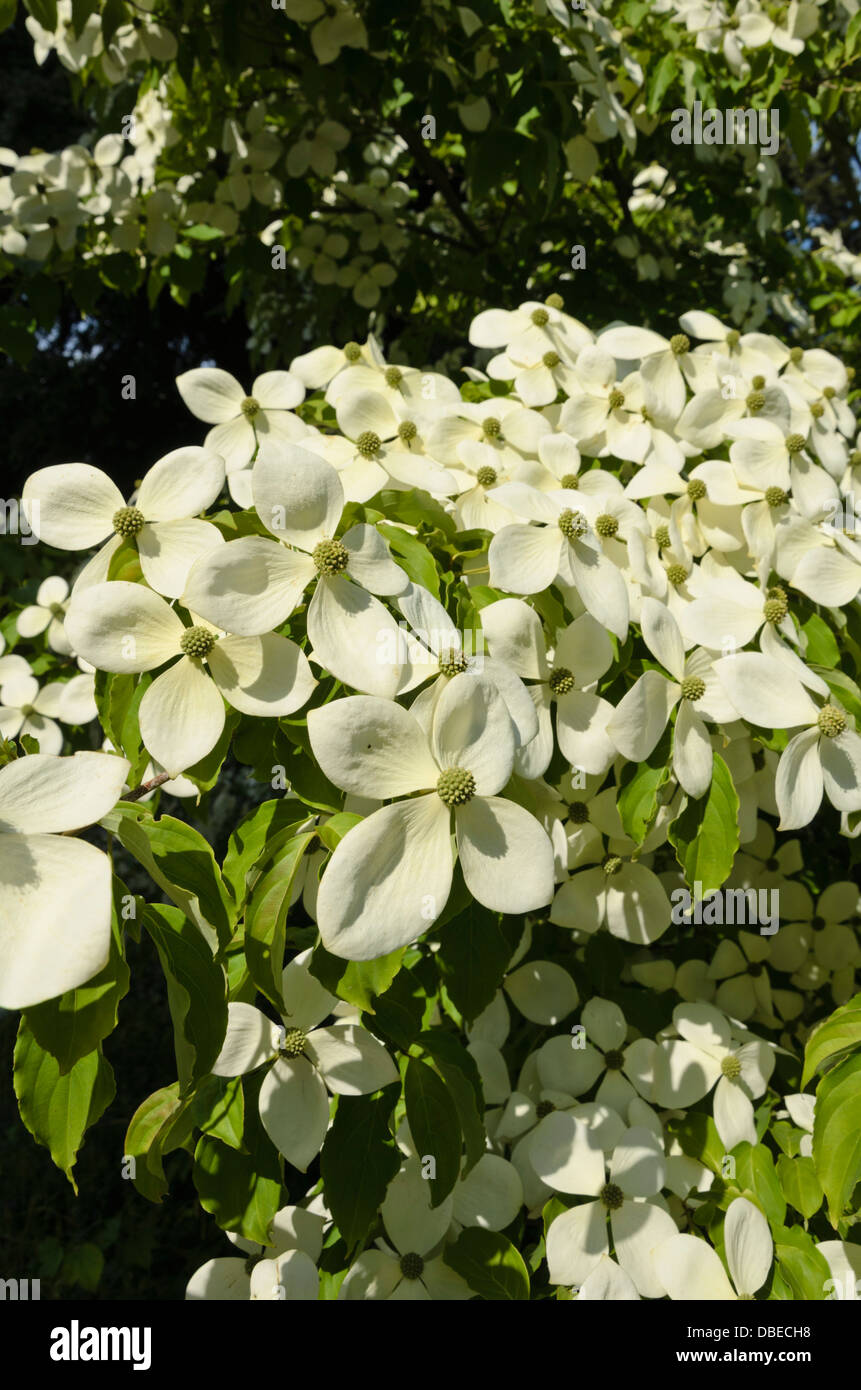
column 660, row 80
column 822, row 649
column 837, row 1135
column 59, row 1109
column 75, row 1023
column 489, row 1263
column 398, row 1013
column 359, row 1160
column 8, row 11
column 196, row 991
column 83, row 1264
column 639, row 785
column 835, row 1035
column 250, row 845
column 202, row 232
column 44, row 12
column 801, row 1187
column 219, row 1110
column 182, row 864
column 458, row 1070
column 266, row 918
column 413, row 556
column 755, row 1171
column 358, row 982
column 800, row 1263
column 242, row 1191
column 474, row 952
column 332, row 831
column 705, row 835
column 114, row 14
column 118, row 701
column 697, row 1134
column 434, row 1125
column 148, row 1126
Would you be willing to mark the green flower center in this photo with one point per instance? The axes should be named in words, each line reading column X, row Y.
column 696, row 489
column 755, row 968
column 733, row 338
column 560, row 680
column 486, row 476
column 393, row 376
column 607, row 525
column 759, row 764
column 368, row 444
column 662, row 536
column 407, row 431
column 776, row 605
column 544, row 1107
column 197, row 641
column 731, row 1068
column 412, row 1265
column 554, row 301
column 352, row 352
column 27, row 710
column 831, row 721
column 829, row 393
column 491, row 427
column 612, row 1196
column 452, row 663
column 455, row 787
column 570, row 480
column 550, row 359
column 579, row 812
column 540, row 317
column 758, row 383
column 330, row 557
column 693, row 688
column 614, row 1060
column 616, row 399
column 128, row 521
column 612, row 865
column 250, row 407
column 819, row 924
column 679, row 343
column 796, row 355
column 776, row 496
column 677, row 574
column 795, row 443
column 855, row 458
column 755, row 401
column 817, row 410
column 572, row 524
column 293, row 1043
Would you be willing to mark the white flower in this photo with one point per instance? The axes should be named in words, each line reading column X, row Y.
column 390, row 876
column 55, row 928
column 568, row 1160
column 241, row 420
column 47, row 612
column 284, row 1269
column 253, row 584
column 126, row 628
column 413, row 1271
column 74, row 506
column 686, row 1068
column 690, row 1269
column 305, row 1059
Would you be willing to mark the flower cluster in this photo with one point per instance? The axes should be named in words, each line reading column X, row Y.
column 545, row 650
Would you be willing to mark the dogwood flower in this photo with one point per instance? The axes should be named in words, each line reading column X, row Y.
column 390, row 876
column 124, row 627
column 74, row 506
column 305, row 1059
column 253, row 584
column 566, row 1160
column 689, row 1268
column 241, row 420
column 55, row 929
column 47, row 613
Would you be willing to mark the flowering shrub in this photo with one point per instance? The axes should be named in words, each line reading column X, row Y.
column 521, row 982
